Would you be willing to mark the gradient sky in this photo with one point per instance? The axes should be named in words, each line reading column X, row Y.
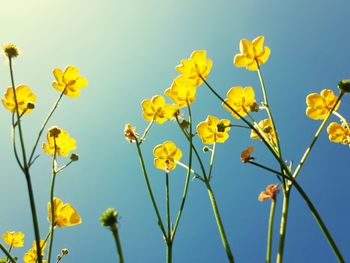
column 128, row 50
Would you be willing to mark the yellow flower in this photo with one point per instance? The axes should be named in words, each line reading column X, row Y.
column 13, row 239
column 166, row 155
column 196, row 67
column 252, row 53
column 246, row 154
column 267, row 131
column 270, row 193
column 182, row 91
column 31, row 255
column 69, row 81
column 339, row 133
column 242, row 100
column 24, row 97
column 156, row 109
column 319, row 105
column 213, row 130
column 130, row 133
column 60, row 138
column 65, row 214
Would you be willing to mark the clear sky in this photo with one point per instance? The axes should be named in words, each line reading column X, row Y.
column 128, row 51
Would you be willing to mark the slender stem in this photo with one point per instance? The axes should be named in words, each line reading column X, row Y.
column 283, row 225
column 51, row 199
column 167, row 201
column 211, row 161
column 149, row 188
column 342, row 119
column 317, row 134
column 219, row 224
column 44, row 125
column 146, row 131
column 115, row 232
column 169, row 252
column 13, row 137
column 26, row 169
column 189, row 170
column 239, row 126
column 7, row 254
column 270, row 231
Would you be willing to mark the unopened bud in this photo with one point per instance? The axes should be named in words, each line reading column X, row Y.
column 344, row 85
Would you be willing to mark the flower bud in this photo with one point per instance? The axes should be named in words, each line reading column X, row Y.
column 206, row 149
column 344, row 85
column 11, row 51
column 30, row 106
column 109, row 217
column 74, row 157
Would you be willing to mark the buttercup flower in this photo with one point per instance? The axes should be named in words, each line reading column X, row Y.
column 213, row 130
column 11, row 50
column 156, row 109
column 166, row 155
column 182, row 91
column 69, row 81
column 246, row 154
column 129, row 133
column 242, row 100
column 267, row 131
column 24, row 97
column 319, row 105
column 31, row 255
column 339, row 133
column 252, row 53
column 65, row 214
column 195, row 67
column 13, row 239
column 269, row 193
column 64, row 143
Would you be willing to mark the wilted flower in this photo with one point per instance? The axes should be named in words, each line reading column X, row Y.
column 11, row 50
column 213, row 130
column 252, row 53
column 13, row 239
column 242, row 100
column 65, row 214
column 166, row 155
column 269, row 193
column 156, row 109
column 196, row 67
column 59, row 140
column 246, row 154
column 69, row 81
column 319, row 105
column 339, row 133
column 24, row 96
column 267, row 131
column 129, row 133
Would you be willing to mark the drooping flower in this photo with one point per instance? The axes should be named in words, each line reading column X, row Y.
column 13, row 239
column 156, row 109
column 242, row 100
column 25, row 99
column 246, row 154
column 265, row 126
column 339, row 133
column 166, row 155
column 213, row 130
column 31, row 255
column 69, row 81
column 270, row 192
column 319, row 105
column 196, row 67
column 59, row 140
column 182, row 91
column 11, row 50
column 130, row 133
column 65, row 214
column 252, row 53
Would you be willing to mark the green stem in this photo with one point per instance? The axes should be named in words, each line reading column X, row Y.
column 13, row 137
column 115, row 232
column 7, row 254
column 146, row 131
column 211, row 162
column 26, row 169
column 149, row 188
column 219, row 224
column 169, row 252
column 167, row 200
column 317, row 134
column 283, row 225
column 270, row 231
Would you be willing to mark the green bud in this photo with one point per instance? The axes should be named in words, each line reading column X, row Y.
column 109, row 217
column 206, row 149
column 344, row 85
column 221, row 127
column 254, row 107
column 30, row 106
column 74, row 157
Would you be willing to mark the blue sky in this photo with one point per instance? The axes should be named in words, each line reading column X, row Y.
column 128, row 51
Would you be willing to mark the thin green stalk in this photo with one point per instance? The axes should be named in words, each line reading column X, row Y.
column 13, row 138
column 169, row 252
column 317, row 134
column 143, row 137
column 219, row 224
column 54, row 172
column 270, row 231
column 187, row 180
column 149, row 188
column 26, row 169
column 211, row 162
column 167, row 201
column 283, row 225
column 8, row 255
column 115, row 232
